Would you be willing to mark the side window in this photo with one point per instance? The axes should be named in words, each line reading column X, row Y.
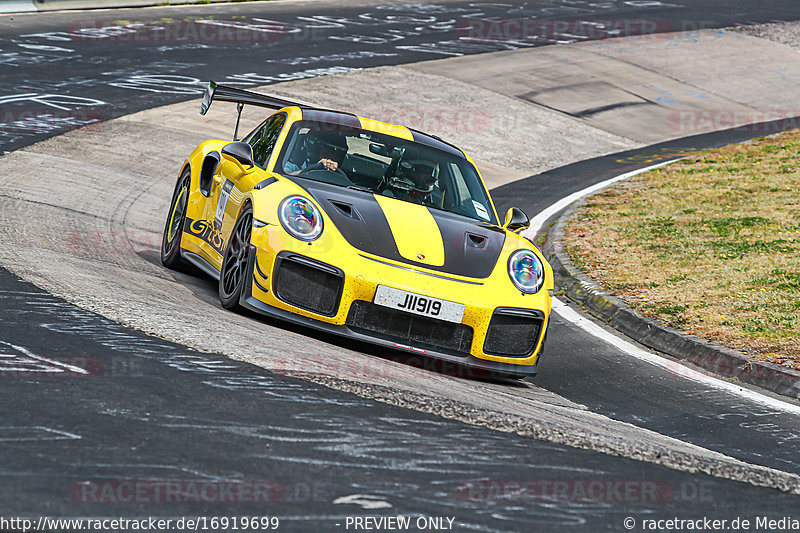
column 264, row 140
column 468, row 195
column 462, row 192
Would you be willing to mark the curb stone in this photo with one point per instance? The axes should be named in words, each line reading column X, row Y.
column 720, row 360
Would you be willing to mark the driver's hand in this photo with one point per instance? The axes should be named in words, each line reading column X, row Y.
column 329, row 164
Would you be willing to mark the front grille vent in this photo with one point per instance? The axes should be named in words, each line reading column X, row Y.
column 418, row 331
column 309, row 285
column 513, row 332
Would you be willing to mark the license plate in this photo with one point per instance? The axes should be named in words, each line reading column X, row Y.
column 419, row 304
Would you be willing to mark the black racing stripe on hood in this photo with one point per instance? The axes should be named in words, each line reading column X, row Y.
column 366, row 228
column 471, row 249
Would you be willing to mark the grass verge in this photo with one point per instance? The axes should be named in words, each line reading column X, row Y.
column 709, row 245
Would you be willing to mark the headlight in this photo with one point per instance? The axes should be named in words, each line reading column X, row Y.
column 300, row 218
column 526, row 271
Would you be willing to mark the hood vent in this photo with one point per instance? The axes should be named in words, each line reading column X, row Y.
column 476, row 241
column 345, row 209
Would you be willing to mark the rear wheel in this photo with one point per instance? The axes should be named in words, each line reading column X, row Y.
column 171, row 240
column 234, row 264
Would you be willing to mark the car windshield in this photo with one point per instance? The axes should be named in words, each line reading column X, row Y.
column 384, row 165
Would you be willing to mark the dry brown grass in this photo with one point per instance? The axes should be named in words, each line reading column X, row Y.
column 708, row 245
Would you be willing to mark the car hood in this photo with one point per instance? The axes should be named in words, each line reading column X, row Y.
column 413, row 234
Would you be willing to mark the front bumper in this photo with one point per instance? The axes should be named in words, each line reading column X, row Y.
column 262, row 295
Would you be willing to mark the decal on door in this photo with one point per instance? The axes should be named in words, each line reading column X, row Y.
column 224, row 194
column 204, row 231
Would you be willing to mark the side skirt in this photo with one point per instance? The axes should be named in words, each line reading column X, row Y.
column 200, row 263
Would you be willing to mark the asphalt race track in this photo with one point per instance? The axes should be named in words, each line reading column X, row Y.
column 103, row 407
column 97, row 62
column 149, row 413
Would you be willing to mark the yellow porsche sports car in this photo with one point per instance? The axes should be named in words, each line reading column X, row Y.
column 364, row 229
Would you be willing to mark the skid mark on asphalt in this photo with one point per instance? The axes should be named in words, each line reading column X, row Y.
column 21, row 360
column 33, row 434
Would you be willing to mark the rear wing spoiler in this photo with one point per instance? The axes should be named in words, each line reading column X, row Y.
column 224, row 93
column 242, row 97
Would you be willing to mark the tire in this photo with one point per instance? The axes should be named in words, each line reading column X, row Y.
column 173, row 230
column 234, row 273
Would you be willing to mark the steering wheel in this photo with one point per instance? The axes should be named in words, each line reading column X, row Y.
column 318, row 172
column 320, row 166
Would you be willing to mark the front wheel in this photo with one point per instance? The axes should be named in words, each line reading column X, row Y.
column 171, row 240
column 234, row 264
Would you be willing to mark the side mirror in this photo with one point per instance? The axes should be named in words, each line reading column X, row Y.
column 240, row 153
column 516, row 219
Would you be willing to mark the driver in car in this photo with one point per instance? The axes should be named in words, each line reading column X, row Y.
column 415, row 184
column 322, row 150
